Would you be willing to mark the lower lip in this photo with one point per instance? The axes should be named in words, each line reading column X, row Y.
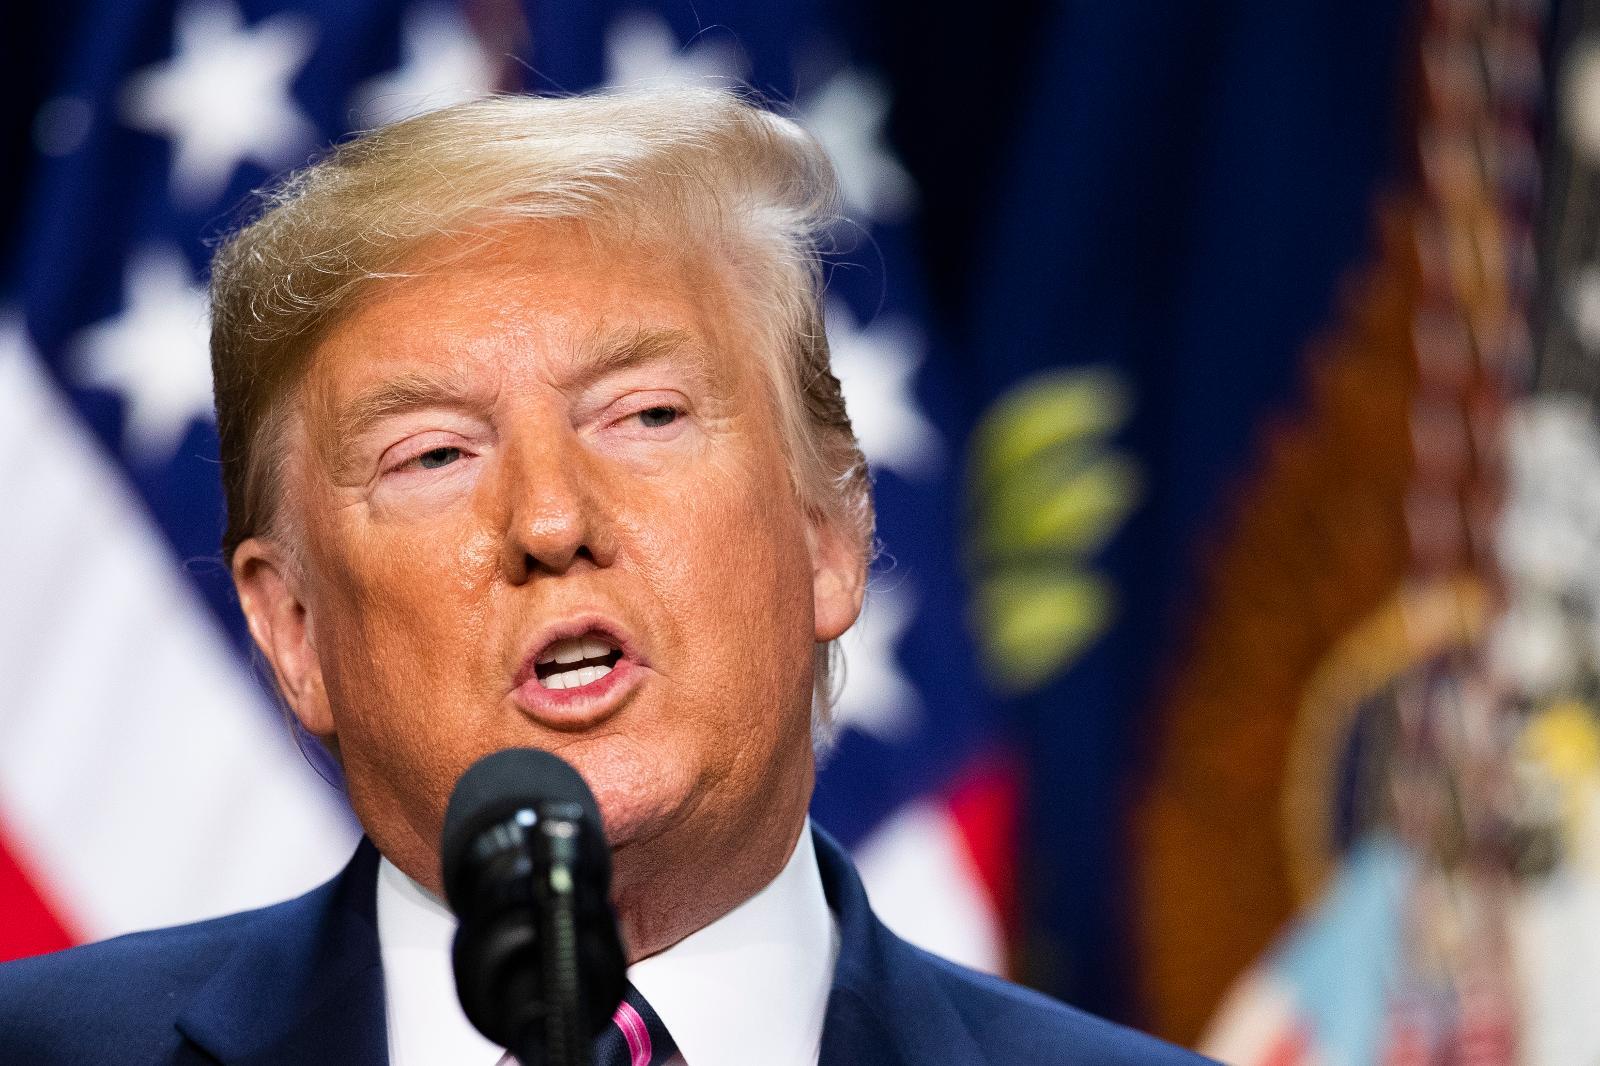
column 576, row 708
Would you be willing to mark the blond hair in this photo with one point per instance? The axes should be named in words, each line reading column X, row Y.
column 696, row 167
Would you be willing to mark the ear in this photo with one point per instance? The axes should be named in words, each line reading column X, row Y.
column 271, row 593
column 838, row 578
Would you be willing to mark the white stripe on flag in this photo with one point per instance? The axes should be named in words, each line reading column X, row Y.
column 1258, row 1024
column 925, row 887
column 142, row 768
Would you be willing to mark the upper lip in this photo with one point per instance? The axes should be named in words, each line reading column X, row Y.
column 575, row 626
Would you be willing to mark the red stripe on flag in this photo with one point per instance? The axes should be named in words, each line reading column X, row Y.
column 1291, row 1049
column 984, row 805
column 31, row 925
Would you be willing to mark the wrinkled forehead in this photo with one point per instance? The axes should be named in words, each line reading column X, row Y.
column 542, row 302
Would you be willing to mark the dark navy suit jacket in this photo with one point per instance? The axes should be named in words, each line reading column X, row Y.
column 300, row 984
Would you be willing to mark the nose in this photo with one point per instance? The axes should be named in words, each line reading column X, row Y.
column 555, row 521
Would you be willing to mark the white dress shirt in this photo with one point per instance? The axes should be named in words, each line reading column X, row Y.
column 751, row 987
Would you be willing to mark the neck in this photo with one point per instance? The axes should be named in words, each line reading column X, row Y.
column 664, row 891
column 670, row 884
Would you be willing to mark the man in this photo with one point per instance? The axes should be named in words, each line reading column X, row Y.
column 529, row 439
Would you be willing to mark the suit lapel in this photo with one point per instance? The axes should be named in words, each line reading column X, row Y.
column 885, row 1008
column 304, row 985
column 854, row 1034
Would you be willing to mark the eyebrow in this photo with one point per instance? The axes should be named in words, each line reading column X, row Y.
column 599, row 355
column 605, row 353
column 404, row 392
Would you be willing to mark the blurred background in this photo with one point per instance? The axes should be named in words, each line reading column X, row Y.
column 1226, row 370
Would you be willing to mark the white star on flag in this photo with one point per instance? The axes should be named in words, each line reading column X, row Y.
column 876, row 698
column 849, row 114
column 223, row 98
column 156, row 354
column 443, row 63
column 642, row 50
column 877, row 367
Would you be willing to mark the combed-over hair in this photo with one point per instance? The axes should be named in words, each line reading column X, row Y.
column 691, row 167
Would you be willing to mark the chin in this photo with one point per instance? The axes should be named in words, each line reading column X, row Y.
column 638, row 796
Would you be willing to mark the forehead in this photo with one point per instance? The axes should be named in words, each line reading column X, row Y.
column 531, row 301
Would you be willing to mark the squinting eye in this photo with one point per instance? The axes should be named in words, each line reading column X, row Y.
column 437, row 457
column 657, row 417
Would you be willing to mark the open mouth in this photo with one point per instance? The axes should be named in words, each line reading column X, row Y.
column 576, row 661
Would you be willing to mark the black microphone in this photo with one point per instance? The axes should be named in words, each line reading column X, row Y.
column 538, row 960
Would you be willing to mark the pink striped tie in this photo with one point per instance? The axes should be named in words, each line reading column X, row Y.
column 635, row 1037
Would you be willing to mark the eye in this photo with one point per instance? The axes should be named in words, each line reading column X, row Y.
column 434, row 458
column 657, row 417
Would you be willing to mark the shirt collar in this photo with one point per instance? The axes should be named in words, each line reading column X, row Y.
column 751, row 986
column 426, row 1023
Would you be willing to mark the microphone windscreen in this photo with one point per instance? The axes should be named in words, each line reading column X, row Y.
column 496, row 787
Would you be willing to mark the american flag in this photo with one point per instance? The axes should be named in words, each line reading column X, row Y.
column 147, row 776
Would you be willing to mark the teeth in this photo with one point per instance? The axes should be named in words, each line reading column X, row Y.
column 564, row 679
column 572, row 649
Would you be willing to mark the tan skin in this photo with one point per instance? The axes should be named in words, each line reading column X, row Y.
column 553, row 428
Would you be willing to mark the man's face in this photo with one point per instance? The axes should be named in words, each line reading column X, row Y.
column 552, row 449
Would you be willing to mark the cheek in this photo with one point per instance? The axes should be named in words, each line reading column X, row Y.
column 729, row 565
column 408, row 678
column 383, row 563
column 727, row 543
column 413, row 609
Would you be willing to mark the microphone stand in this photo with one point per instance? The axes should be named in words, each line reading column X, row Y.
column 538, row 958
column 557, row 1035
